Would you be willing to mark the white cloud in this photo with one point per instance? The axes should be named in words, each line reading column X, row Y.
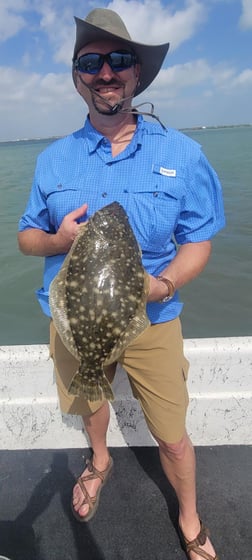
column 187, row 94
column 58, row 24
column 49, row 105
column 41, row 105
column 157, row 23
column 151, row 22
column 147, row 21
column 243, row 79
column 246, row 17
column 35, row 89
column 201, row 77
column 56, row 21
column 180, row 76
column 11, row 22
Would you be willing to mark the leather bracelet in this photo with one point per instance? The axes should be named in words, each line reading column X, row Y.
column 170, row 286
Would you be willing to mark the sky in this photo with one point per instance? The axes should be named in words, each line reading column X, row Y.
column 206, row 78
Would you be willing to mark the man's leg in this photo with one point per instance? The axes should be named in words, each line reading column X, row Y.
column 178, row 462
column 95, row 415
column 96, row 426
column 157, row 371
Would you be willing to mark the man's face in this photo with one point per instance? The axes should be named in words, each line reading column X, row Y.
column 109, row 88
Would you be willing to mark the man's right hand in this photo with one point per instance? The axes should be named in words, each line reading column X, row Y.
column 33, row 241
column 69, row 228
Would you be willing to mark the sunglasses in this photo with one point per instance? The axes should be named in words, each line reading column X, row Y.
column 92, row 63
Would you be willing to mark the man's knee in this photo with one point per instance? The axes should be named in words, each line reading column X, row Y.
column 175, row 450
column 95, row 410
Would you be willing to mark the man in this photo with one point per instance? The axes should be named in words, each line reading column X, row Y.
column 172, row 196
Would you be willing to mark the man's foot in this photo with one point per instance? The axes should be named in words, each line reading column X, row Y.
column 87, row 491
column 199, row 546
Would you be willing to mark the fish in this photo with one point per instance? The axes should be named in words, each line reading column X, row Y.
column 98, row 298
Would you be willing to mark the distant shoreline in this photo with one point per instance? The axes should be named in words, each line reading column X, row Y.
column 212, row 127
column 190, row 128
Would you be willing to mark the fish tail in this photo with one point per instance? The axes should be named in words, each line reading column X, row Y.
column 92, row 390
column 107, row 389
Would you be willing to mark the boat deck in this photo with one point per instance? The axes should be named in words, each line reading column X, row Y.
column 137, row 512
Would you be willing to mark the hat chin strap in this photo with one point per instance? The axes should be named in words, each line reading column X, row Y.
column 118, row 107
column 150, row 113
column 113, row 108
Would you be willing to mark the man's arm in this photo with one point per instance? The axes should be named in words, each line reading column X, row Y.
column 189, row 262
column 39, row 243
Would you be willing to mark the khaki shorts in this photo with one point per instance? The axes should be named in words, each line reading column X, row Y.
column 157, row 372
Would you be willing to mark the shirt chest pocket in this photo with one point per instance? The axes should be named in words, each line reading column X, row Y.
column 155, row 211
column 62, row 199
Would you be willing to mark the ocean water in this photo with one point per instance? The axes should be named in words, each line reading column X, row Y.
column 218, row 303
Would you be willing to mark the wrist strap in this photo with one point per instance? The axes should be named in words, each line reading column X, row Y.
column 170, row 286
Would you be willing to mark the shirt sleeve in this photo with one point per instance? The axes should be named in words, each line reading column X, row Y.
column 36, row 213
column 202, row 210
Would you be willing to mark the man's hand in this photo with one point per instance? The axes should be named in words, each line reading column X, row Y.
column 69, row 228
column 39, row 243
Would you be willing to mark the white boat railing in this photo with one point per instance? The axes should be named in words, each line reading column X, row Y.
column 220, row 410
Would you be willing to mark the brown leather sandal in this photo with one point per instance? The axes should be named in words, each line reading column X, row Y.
column 92, row 502
column 195, row 544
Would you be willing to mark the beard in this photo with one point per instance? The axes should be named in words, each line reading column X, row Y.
column 107, row 105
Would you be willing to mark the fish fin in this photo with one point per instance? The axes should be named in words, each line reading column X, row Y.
column 107, row 389
column 136, row 326
column 92, row 389
column 61, row 321
column 58, row 303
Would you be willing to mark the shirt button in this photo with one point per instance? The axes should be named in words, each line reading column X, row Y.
column 104, row 194
column 155, row 193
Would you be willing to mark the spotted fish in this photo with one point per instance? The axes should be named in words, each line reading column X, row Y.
column 98, row 298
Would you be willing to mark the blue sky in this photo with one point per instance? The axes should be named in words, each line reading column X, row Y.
column 206, row 78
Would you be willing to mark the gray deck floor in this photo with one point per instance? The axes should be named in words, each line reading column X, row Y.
column 137, row 512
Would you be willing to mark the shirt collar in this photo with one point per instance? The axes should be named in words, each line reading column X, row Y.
column 94, row 138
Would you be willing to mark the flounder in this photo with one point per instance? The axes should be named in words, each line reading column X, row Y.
column 98, row 298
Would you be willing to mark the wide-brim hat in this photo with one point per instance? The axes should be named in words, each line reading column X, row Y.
column 103, row 24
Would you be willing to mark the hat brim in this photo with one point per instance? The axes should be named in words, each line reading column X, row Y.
column 150, row 57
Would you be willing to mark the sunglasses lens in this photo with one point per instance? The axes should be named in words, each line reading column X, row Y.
column 89, row 63
column 118, row 61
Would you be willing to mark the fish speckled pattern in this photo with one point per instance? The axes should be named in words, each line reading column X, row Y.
column 98, row 298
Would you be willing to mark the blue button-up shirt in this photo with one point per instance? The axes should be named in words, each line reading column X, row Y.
column 168, row 189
